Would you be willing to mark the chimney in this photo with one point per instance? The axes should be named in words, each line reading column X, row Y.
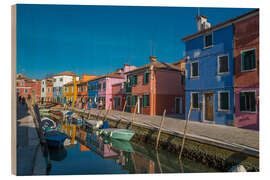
column 153, row 59
column 202, row 23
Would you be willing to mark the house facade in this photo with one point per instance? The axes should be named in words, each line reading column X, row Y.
column 100, row 88
column 44, row 90
column 156, row 87
column 118, row 96
column 246, row 79
column 209, row 74
column 58, row 82
column 49, row 91
column 82, row 90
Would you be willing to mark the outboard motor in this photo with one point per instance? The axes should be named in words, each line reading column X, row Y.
column 105, row 125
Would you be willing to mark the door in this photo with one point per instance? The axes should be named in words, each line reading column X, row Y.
column 209, row 107
column 140, row 108
column 178, row 105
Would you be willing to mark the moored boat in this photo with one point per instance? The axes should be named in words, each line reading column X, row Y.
column 55, row 138
column 47, row 124
column 121, row 134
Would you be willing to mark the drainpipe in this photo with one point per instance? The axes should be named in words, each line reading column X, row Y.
column 151, row 89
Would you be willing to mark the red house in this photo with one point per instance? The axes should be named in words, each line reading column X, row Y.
column 246, row 78
column 156, row 86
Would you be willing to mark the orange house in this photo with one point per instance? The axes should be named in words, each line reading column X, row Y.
column 156, row 86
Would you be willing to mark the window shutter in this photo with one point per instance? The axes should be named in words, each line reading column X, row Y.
column 243, row 61
column 253, row 101
column 254, row 59
column 144, row 79
column 242, row 101
column 144, row 100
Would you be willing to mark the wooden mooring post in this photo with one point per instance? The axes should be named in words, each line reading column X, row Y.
column 185, row 131
column 133, row 115
column 160, row 128
column 123, row 110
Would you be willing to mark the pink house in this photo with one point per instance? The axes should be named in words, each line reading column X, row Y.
column 100, row 88
column 246, row 76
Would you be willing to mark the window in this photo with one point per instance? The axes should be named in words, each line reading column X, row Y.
column 72, row 89
column 129, row 81
column 223, row 101
column 54, row 80
column 208, row 40
column 134, row 100
column 195, row 100
column 248, row 101
column 194, row 69
column 248, row 61
column 146, row 78
column 182, row 80
column 146, row 100
column 99, row 86
column 135, row 80
column 61, row 79
column 128, row 100
column 223, row 64
column 25, row 90
column 104, row 85
column 42, row 89
column 48, row 89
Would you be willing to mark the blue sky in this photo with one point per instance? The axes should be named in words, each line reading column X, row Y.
column 100, row 39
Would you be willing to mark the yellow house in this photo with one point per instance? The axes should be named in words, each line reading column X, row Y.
column 70, row 92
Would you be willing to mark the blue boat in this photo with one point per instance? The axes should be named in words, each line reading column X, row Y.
column 47, row 124
column 55, row 138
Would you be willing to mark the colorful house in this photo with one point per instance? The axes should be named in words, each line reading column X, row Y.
column 44, row 89
column 49, row 91
column 58, row 82
column 118, row 96
column 82, row 92
column 246, row 63
column 100, row 88
column 70, row 92
column 23, row 86
column 209, row 73
column 156, row 86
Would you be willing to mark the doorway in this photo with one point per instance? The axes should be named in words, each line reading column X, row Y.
column 178, row 105
column 209, row 106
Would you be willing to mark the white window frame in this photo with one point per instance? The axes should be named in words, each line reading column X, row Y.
column 191, row 76
column 255, row 101
column 219, row 101
column 218, row 58
column 204, row 37
column 250, row 49
column 191, row 96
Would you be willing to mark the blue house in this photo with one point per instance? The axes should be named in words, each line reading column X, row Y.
column 209, row 73
column 93, row 87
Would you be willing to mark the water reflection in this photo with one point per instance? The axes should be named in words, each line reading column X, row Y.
column 86, row 152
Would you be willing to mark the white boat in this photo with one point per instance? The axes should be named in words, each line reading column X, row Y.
column 95, row 124
column 121, row 134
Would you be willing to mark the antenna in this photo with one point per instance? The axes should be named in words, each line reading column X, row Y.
column 198, row 12
column 151, row 48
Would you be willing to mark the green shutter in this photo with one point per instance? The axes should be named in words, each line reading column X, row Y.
column 144, row 101
column 254, row 59
column 242, row 101
column 144, row 79
column 243, row 61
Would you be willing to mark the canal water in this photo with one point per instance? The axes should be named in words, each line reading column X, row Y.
column 86, row 152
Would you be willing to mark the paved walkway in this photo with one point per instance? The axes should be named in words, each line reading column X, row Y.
column 30, row 159
column 226, row 135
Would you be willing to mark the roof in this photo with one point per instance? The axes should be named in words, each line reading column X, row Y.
column 65, row 73
column 69, row 83
column 156, row 65
column 219, row 25
column 180, row 61
column 110, row 75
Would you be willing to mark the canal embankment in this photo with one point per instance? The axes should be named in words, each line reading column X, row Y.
column 30, row 160
column 217, row 146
